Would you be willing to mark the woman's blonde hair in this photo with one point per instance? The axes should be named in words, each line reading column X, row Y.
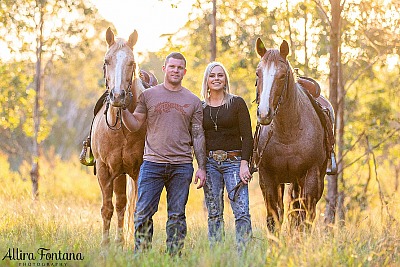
column 205, row 92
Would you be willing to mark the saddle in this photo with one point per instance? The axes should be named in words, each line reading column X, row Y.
column 86, row 157
column 310, row 85
column 325, row 114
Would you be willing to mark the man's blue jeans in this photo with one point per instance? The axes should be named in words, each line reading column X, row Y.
column 220, row 174
column 152, row 178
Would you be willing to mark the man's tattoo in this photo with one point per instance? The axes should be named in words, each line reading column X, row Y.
column 199, row 145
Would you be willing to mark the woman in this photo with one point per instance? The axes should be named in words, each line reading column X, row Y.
column 229, row 144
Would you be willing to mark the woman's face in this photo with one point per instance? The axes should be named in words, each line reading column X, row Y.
column 217, row 79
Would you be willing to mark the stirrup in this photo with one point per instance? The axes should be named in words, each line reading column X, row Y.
column 86, row 157
column 332, row 166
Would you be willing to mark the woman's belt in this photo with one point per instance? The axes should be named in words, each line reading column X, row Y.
column 221, row 155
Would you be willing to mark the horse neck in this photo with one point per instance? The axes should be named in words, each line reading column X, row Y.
column 137, row 89
column 288, row 118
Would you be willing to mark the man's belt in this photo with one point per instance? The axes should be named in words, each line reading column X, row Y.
column 221, row 155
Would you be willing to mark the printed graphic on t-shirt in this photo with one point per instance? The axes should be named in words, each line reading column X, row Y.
column 167, row 106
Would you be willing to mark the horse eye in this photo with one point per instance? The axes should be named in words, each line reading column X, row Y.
column 282, row 76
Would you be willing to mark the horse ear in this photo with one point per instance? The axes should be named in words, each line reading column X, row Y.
column 132, row 39
column 284, row 49
column 260, row 47
column 110, row 37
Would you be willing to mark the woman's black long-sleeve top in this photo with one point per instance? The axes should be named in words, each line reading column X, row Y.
column 233, row 127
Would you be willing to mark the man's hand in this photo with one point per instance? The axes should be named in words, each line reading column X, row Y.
column 200, row 174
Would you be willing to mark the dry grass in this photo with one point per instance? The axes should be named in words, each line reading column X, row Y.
column 67, row 218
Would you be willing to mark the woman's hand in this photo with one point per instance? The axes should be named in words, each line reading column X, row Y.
column 244, row 172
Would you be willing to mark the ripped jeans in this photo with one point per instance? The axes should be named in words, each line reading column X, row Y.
column 220, row 174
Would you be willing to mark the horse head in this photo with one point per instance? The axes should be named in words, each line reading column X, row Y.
column 273, row 73
column 120, row 69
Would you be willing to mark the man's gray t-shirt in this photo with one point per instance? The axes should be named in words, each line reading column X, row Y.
column 170, row 115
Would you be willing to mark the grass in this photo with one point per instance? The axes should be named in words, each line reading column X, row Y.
column 67, row 218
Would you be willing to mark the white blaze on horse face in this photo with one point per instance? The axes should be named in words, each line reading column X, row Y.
column 119, row 70
column 268, row 74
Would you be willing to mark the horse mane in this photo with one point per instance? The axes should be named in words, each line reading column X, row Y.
column 272, row 56
column 120, row 42
column 137, row 83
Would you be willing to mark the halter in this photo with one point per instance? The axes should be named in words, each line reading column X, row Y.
column 258, row 127
column 284, row 89
column 107, row 99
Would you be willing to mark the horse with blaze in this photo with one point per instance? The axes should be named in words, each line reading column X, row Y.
column 291, row 146
column 117, row 151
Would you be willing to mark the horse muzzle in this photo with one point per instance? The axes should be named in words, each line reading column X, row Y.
column 118, row 99
column 265, row 118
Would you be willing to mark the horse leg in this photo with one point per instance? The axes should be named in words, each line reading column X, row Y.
column 120, row 204
column 297, row 215
column 270, row 194
column 311, row 193
column 131, row 189
column 287, row 202
column 107, row 208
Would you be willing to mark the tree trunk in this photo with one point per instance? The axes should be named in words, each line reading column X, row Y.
column 36, row 112
column 340, row 140
column 213, row 44
column 334, row 62
column 396, row 181
column 304, row 8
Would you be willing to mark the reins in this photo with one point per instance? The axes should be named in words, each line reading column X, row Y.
column 252, row 164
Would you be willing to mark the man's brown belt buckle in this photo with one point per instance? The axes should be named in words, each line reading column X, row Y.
column 219, row 155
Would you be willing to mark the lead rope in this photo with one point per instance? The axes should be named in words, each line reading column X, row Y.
column 253, row 166
column 118, row 118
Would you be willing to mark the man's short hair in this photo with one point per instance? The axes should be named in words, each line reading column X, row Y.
column 175, row 55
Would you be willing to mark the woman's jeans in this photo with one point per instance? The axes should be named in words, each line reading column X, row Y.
column 152, row 178
column 218, row 174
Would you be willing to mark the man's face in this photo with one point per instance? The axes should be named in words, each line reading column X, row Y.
column 174, row 71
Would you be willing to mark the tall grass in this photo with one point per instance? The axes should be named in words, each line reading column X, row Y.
column 67, row 218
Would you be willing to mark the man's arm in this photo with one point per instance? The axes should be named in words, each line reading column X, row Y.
column 133, row 121
column 199, row 147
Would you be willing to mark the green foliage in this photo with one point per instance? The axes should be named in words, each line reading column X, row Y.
column 15, row 96
column 64, row 44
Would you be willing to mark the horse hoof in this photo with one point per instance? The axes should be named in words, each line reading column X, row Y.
column 103, row 254
column 119, row 243
column 271, row 224
column 105, row 243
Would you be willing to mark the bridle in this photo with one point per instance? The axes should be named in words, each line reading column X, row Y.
column 256, row 139
column 254, row 166
column 124, row 106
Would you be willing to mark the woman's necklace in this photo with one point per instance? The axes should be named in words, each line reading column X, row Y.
column 216, row 116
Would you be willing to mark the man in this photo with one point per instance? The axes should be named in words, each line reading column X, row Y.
column 174, row 119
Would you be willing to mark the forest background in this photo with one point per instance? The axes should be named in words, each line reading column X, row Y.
column 52, row 78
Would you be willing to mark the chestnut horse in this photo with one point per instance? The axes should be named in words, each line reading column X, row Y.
column 291, row 148
column 116, row 150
